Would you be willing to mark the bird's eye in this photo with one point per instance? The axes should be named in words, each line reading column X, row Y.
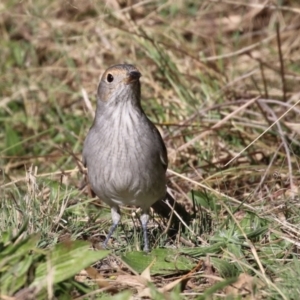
column 110, row 78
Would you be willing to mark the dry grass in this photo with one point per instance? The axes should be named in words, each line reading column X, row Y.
column 220, row 80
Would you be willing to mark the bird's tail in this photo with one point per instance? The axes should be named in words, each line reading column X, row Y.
column 169, row 208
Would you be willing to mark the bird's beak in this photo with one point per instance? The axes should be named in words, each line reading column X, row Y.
column 133, row 76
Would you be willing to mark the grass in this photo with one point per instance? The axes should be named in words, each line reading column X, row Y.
column 220, row 80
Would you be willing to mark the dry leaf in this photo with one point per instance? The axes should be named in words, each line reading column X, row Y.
column 131, row 280
column 209, row 270
column 244, row 285
column 97, row 277
column 146, row 273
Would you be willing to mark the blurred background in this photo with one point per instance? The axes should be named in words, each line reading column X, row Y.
column 201, row 61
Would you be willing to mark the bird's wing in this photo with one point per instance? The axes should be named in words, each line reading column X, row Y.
column 162, row 149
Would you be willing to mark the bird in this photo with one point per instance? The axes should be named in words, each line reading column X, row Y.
column 124, row 153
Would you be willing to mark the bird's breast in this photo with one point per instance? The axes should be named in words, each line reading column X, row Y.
column 125, row 166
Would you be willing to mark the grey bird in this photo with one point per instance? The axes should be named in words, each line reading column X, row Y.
column 124, row 153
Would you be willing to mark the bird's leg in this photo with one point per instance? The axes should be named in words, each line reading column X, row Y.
column 116, row 216
column 144, row 221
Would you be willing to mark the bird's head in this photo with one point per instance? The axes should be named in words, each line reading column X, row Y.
column 120, row 83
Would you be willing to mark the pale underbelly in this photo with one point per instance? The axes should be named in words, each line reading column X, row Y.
column 128, row 187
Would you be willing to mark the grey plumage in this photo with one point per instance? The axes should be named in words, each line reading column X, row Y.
column 124, row 153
